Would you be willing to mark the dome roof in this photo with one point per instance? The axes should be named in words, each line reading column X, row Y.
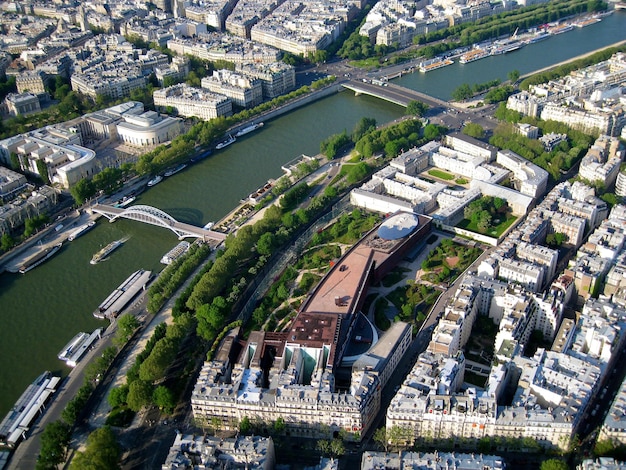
column 398, row 226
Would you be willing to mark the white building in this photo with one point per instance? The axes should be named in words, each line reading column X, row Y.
column 189, row 101
column 602, row 161
column 243, row 91
column 528, row 178
column 148, row 129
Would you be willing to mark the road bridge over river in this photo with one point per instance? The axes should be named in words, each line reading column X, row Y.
column 152, row 215
column 393, row 93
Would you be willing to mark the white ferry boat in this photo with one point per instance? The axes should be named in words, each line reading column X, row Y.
column 156, row 180
column 474, row 54
column 248, row 129
column 506, row 47
column 106, row 251
column 558, row 29
column 538, row 37
column 226, row 142
column 175, row 170
column 175, row 253
column 81, row 230
column 79, row 345
column 70, row 347
column 127, row 201
column 434, row 64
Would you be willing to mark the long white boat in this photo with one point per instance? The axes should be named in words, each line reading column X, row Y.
column 226, row 143
column 246, row 130
column 175, row 170
column 78, row 349
column 434, row 64
column 475, row 54
column 68, row 349
column 81, row 230
column 39, row 258
column 126, row 201
column 104, row 252
column 156, row 180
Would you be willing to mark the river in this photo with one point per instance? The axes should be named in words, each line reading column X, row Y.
column 41, row 310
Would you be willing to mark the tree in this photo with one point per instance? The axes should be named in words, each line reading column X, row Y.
column 279, row 425
column 164, row 399
column 432, row 131
column 139, row 394
column 362, row 127
column 554, row 464
column 473, row 129
column 211, row 317
column 126, row 326
column 155, row 365
column 245, row 426
column 118, row 396
column 399, row 436
column 380, row 438
column 15, row 162
column 416, row 108
column 102, row 452
column 265, row 244
column 357, row 172
column 604, row 447
column 323, row 446
column 6, row 242
column 513, row 75
column 462, row 92
column 333, row 448
column 54, row 442
column 42, row 170
column 556, row 239
column 337, row 448
column 83, row 190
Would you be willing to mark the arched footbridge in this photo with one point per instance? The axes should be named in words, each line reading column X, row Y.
column 152, row 215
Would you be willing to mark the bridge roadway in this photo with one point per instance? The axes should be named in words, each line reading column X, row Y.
column 393, row 93
column 154, row 216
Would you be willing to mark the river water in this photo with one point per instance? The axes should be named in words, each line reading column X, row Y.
column 43, row 309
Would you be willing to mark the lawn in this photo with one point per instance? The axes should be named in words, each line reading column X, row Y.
column 372, row 62
column 494, row 230
column 447, row 260
column 444, row 175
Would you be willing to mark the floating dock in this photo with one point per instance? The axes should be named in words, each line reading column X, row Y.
column 16, row 423
column 120, row 297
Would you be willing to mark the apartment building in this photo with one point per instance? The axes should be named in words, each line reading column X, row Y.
column 243, row 91
column 189, row 101
column 277, row 78
column 602, row 161
column 209, row 452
